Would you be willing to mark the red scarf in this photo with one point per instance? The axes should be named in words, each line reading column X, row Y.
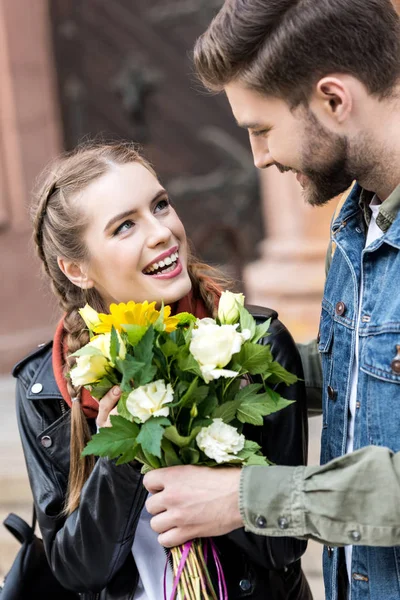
column 90, row 406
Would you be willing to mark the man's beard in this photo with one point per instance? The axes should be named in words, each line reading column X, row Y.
column 326, row 163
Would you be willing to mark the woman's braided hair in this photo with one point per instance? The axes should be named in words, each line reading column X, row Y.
column 59, row 228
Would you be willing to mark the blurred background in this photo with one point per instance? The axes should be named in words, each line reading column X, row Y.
column 72, row 70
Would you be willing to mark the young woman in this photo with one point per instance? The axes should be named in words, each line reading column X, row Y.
column 106, row 231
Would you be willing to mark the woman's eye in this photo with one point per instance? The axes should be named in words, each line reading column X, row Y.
column 125, row 226
column 162, row 204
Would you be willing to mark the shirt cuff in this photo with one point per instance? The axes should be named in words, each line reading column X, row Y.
column 271, row 500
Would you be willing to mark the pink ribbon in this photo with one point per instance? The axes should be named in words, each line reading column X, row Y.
column 182, row 562
column 222, row 587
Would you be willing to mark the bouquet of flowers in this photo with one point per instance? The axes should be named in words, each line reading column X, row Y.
column 186, row 393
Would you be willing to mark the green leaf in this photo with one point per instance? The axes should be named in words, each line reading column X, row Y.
column 187, row 362
column 171, row 434
column 247, row 321
column 128, row 456
column 248, row 390
column 170, row 456
column 122, row 410
column 151, row 460
column 254, row 358
column 255, row 407
column 151, row 433
column 249, row 448
column 143, row 351
column 100, row 388
column 190, row 456
column 113, row 441
column 207, row 407
column 227, row 411
column 132, row 371
column 279, row 374
column 114, row 345
column 169, row 348
column 261, row 331
column 257, row 459
column 134, row 333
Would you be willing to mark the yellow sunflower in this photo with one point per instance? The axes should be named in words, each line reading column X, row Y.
column 134, row 313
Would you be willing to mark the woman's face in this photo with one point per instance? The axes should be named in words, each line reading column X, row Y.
column 136, row 243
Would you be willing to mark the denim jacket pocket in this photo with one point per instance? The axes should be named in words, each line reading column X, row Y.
column 325, row 334
column 381, row 357
column 380, row 362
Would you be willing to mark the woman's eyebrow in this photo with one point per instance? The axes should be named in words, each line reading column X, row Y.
column 130, row 212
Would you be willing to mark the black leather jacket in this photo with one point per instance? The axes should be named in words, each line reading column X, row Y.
column 90, row 551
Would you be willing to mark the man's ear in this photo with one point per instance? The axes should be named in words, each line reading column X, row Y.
column 332, row 99
column 75, row 273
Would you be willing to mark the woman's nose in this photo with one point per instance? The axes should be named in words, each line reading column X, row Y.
column 157, row 233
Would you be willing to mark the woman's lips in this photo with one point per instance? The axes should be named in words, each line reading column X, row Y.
column 171, row 274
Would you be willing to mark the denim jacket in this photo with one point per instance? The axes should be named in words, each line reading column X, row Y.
column 375, row 573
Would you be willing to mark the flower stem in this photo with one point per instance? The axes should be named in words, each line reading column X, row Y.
column 204, row 569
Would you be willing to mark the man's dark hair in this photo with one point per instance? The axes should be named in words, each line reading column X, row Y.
column 283, row 47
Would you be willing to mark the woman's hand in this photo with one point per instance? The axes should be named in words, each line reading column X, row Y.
column 108, row 406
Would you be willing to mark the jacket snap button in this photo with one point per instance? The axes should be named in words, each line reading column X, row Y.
column 283, row 523
column 245, row 585
column 261, row 522
column 331, row 392
column 340, row 308
column 396, row 365
column 46, row 441
column 355, row 536
column 36, row 388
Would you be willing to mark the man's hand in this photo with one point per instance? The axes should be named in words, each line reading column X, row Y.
column 190, row 502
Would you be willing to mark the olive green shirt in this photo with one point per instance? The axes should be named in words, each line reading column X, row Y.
column 354, row 499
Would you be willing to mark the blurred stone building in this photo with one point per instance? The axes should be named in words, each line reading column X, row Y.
column 73, row 70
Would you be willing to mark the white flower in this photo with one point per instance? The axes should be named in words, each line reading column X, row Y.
column 148, row 400
column 220, row 441
column 213, row 346
column 228, row 307
column 89, row 369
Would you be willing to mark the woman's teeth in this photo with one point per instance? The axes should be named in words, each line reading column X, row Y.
column 163, row 266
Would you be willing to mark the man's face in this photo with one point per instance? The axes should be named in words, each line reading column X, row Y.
column 293, row 141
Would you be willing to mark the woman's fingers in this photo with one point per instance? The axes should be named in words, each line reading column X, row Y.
column 107, row 407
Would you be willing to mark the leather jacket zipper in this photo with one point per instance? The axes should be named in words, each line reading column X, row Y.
column 63, row 410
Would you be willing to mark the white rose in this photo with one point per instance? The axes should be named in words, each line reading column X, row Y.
column 220, row 441
column 148, row 400
column 89, row 369
column 213, row 346
column 228, row 307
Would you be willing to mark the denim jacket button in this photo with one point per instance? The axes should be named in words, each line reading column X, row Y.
column 396, row 364
column 331, row 392
column 355, row 536
column 261, row 522
column 340, row 308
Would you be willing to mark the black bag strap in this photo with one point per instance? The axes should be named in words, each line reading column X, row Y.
column 20, row 528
